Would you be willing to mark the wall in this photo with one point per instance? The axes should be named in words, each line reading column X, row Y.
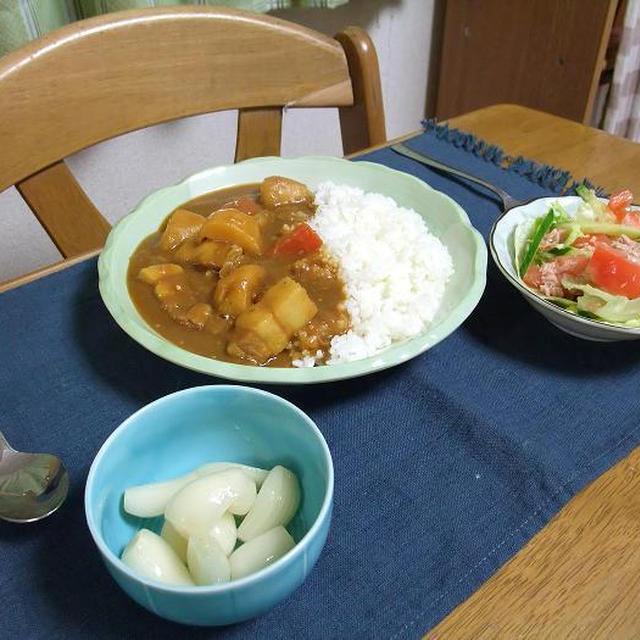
column 118, row 173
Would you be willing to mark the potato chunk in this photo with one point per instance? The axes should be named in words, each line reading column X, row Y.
column 276, row 190
column 208, row 253
column 235, row 292
column 264, row 330
column 234, row 227
column 257, row 335
column 175, row 295
column 198, row 315
column 290, row 304
column 181, row 225
column 154, row 273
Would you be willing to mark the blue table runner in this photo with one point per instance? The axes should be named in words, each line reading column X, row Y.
column 445, row 465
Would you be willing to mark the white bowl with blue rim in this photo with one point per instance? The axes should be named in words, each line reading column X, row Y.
column 502, row 248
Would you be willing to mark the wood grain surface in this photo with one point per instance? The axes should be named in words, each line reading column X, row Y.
column 547, row 54
column 98, row 78
column 579, row 577
column 64, row 210
column 259, row 132
column 609, row 161
column 367, row 105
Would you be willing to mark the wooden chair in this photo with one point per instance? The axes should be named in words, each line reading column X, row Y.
column 102, row 77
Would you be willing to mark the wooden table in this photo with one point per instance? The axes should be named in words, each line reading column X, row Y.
column 579, row 577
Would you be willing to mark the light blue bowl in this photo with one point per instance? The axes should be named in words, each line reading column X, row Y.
column 181, row 431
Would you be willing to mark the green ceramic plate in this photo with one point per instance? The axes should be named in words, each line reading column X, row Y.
column 442, row 215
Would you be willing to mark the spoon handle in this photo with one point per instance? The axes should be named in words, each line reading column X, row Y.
column 507, row 200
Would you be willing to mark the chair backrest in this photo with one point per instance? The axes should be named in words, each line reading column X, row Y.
column 102, row 77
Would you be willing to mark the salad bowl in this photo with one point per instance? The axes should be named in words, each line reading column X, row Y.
column 506, row 243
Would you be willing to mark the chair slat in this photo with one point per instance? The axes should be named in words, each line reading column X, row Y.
column 259, row 133
column 363, row 124
column 64, row 210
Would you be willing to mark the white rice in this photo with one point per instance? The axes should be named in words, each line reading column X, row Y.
column 395, row 271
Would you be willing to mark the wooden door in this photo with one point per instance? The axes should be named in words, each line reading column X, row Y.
column 544, row 54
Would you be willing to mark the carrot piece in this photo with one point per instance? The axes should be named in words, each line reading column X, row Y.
column 247, row 205
column 303, row 239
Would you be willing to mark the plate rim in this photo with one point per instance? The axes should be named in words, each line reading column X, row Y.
column 392, row 356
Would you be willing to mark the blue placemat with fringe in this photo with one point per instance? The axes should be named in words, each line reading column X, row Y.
column 445, row 466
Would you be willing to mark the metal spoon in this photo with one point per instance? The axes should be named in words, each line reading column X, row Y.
column 32, row 485
column 508, row 202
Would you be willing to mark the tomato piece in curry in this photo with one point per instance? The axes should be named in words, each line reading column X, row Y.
column 238, row 275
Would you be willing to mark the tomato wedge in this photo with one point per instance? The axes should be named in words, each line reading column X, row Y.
column 612, row 271
column 631, row 219
column 303, row 239
column 619, row 203
column 571, row 265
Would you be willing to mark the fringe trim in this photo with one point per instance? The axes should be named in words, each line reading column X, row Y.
column 557, row 180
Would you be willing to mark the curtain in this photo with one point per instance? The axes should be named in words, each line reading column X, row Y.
column 23, row 20
column 622, row 115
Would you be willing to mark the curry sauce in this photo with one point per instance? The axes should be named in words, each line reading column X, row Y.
column 238, row 275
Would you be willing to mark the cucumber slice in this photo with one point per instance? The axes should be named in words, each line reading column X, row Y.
column 559, row 251
column 607, row 229
column 540, row 229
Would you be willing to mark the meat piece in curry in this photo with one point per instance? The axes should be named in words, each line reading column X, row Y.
column 238, row 275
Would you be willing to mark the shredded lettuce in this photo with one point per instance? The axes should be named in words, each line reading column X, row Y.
column 584, row 213
column 575, row 231
column 598, row 208
column 605, row 306
column 565, row 303
column 560, row 214
column 521, row 234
